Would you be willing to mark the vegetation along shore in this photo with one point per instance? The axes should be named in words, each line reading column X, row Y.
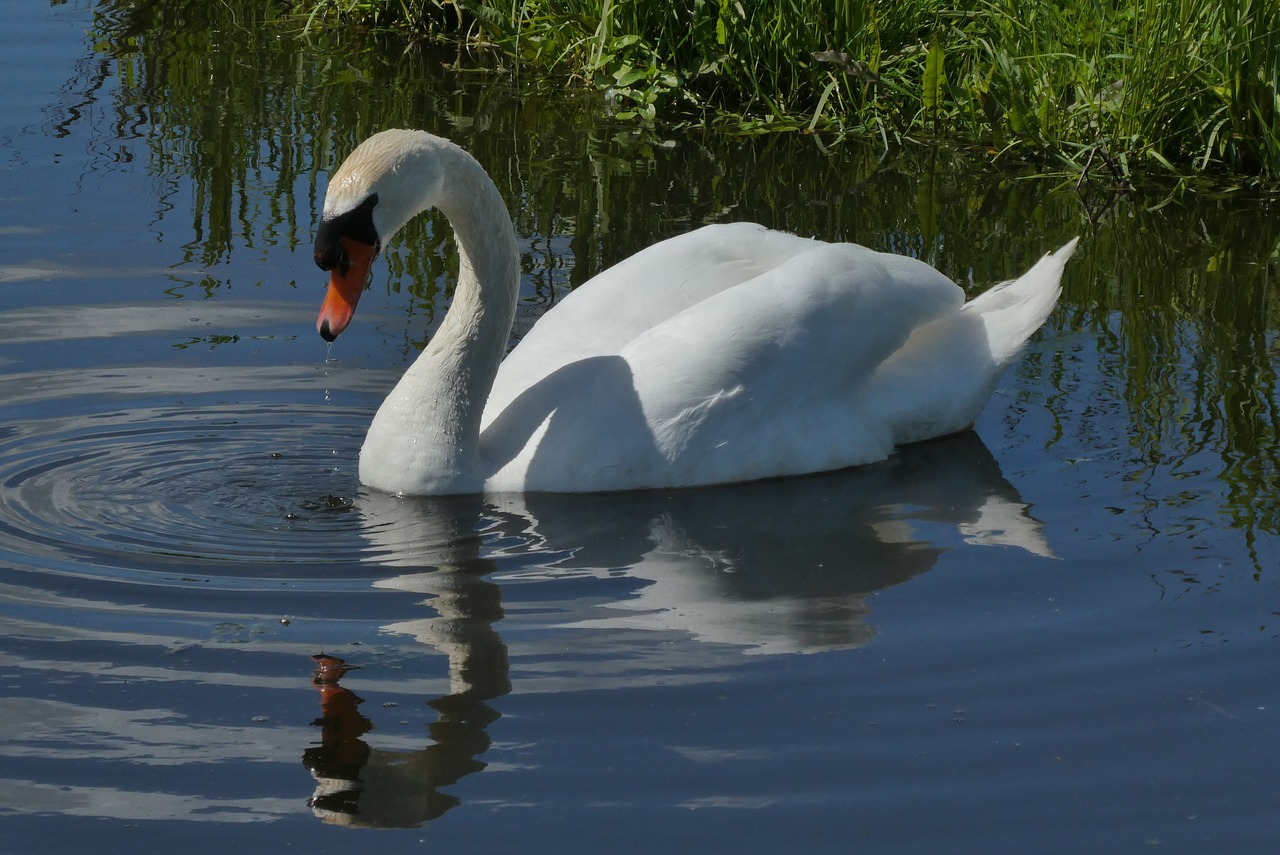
column 1108, row 88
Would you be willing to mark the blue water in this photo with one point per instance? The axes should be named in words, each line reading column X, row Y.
column 1051, row 634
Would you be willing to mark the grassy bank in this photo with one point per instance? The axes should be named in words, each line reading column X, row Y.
column 1105, row 87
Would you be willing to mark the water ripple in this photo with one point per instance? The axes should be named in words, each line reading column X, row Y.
column 244, row 489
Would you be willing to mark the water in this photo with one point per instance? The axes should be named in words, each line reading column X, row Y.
column 1055, row 633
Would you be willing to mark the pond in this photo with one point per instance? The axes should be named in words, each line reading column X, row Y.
column 1053, row 633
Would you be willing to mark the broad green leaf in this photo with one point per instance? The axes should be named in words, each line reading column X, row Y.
column 625, row 76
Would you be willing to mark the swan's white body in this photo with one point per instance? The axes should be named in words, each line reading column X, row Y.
column 731, row 353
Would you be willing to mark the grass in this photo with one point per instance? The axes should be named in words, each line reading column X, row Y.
column 1108, row 88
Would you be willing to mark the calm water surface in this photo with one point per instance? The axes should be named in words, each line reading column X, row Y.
column 1057, row 633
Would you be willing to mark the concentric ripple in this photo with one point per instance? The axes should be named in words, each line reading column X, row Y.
column 252, row 485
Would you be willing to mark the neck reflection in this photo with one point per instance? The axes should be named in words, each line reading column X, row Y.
column 362, row 785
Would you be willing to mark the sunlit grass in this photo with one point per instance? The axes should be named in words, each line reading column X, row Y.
column 1105, row 87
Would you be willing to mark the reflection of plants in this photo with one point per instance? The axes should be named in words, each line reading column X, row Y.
column 211, row 340
column 1187, row 322
column 202, row 83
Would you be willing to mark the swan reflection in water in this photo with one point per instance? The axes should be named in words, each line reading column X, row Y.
column 774, row 567
column 360, row 785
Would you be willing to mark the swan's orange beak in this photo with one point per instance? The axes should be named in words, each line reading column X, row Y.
column 345, row 288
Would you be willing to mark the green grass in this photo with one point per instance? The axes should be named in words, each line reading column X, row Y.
column 1108, row 88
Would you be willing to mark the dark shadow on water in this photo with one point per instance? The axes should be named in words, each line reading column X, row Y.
column 732, row 566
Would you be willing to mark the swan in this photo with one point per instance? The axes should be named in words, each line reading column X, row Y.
column 730, row 353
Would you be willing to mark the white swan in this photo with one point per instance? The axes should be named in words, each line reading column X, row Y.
column 731, row 353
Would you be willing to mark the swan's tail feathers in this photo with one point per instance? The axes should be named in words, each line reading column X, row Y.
column 1012, row 311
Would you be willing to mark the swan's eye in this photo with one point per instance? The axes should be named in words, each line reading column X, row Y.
column 331, row 256
column 356, row 224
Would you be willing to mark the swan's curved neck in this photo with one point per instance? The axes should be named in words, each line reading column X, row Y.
column 425, row 439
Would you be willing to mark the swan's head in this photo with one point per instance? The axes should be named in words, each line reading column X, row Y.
column 388, row 179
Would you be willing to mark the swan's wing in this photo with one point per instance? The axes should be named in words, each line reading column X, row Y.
column 602, row 315
column 756, row 379
column 662, row 281
column 803, row 337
